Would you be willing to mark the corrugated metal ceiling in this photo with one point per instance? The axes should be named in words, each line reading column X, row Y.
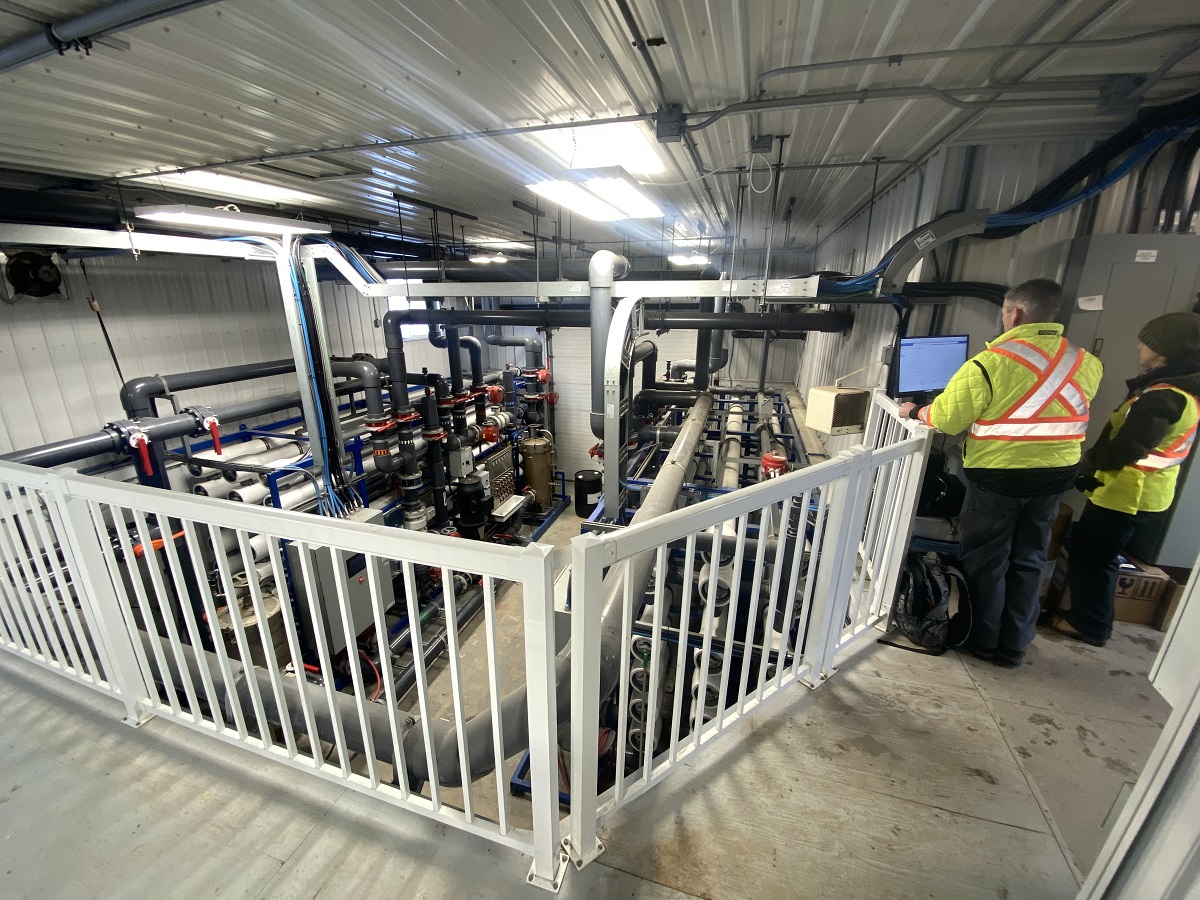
column 249, row 77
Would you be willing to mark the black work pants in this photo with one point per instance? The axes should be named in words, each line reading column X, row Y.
column 1003, row 552
column 1097, row 541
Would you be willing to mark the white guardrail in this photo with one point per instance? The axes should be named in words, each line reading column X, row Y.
column 108, row 584
column 123, row 588
column 823, row 547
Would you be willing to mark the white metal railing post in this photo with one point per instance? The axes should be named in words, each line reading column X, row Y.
column 838, row 553
column 549, row 861
column 905, row 510
column 587, row 589
column 97, row 594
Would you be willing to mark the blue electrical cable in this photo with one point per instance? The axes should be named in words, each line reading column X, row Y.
column 1136, row 156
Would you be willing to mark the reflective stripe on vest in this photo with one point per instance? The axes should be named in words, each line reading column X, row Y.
column 1055, row 381
column 1158, row 459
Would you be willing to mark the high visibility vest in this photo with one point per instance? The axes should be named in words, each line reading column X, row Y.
column 1026, row 420
column 1149, row 484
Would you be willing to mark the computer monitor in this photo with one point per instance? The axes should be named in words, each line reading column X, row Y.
column 928, row 363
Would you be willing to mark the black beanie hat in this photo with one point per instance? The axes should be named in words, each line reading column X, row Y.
column 1174, row 336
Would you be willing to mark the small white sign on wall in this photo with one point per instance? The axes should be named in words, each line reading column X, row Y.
column 1092, row 303
column 1145, row 256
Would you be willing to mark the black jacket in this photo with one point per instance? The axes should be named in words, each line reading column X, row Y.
column 1148, row 420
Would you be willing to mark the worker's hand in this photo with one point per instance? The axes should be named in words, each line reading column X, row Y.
column 906, row 410
column 1087, row 482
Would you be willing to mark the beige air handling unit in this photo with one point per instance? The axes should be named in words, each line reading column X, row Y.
column 838, row 410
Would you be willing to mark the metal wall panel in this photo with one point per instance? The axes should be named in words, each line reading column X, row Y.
column 165, row 314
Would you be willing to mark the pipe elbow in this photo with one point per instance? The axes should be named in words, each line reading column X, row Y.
column 604, row 267
column 136, row 394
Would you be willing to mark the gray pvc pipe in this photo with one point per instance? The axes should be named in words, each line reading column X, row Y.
column 602, row 270
column 718, row 352
column 533, row 346
column 372, row 385
column 109, row 440
column 105, row 20
column 138, row 394
column 659, row 499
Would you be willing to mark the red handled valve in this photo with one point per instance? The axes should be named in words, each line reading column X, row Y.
column 139, row 442
column 552, row 398
column 543, row 375
column 597, row 450
column 495, row 393
column 774, row 464
column 214, row 428
column 491, row 433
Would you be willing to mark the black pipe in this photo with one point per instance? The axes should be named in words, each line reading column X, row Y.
column 521, row 270
column 469, row 603
column 657, row 319
column 437, row 478
column 649, row 365
column 657, row 434
column 393, row 339
column 775, row 335
column 704, row 346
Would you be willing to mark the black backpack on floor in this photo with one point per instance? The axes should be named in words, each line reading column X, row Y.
column 922, row 606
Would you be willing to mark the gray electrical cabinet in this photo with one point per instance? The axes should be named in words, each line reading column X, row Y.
column 1114, row 284
column 358, row 587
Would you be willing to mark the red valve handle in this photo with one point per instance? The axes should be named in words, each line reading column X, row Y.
column 214, row 428
column 543, row 376
column 142, row 444
column 495, row 393
column 491, row 433
column 552, row 398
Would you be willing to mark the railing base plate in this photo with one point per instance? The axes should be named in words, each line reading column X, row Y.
column 560, row 871
column 580, row 860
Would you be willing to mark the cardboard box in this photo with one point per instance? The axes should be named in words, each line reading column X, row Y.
column 1140, row 589
column 1169, row 605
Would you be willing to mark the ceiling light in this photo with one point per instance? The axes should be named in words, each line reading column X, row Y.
column 689, row 259
column 499, row 244
column 480, row 257
column 499, row 258
column 624, row 144
column 208, row 182
column 603, row 195
column 226, row 221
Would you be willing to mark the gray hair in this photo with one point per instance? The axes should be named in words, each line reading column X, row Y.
column 1041, row 299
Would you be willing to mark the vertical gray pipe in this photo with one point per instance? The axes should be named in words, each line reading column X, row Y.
column 704, row 348
column 718, row 354
column 604, row 267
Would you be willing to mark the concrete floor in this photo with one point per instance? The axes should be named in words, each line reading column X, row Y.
column 906, row 775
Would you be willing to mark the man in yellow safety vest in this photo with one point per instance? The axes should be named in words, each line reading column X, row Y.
column 1024, row 405
column 1130, row 473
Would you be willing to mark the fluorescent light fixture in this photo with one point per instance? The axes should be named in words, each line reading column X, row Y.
column 624, row 144
column 484, row 258
column 689, row 259
column 498, row 244
column 226, row 221
column 603, row 195
column 207, row 182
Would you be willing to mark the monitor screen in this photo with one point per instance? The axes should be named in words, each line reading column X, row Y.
column 928, row 363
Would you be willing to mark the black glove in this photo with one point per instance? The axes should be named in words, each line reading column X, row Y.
column 1087, row 482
